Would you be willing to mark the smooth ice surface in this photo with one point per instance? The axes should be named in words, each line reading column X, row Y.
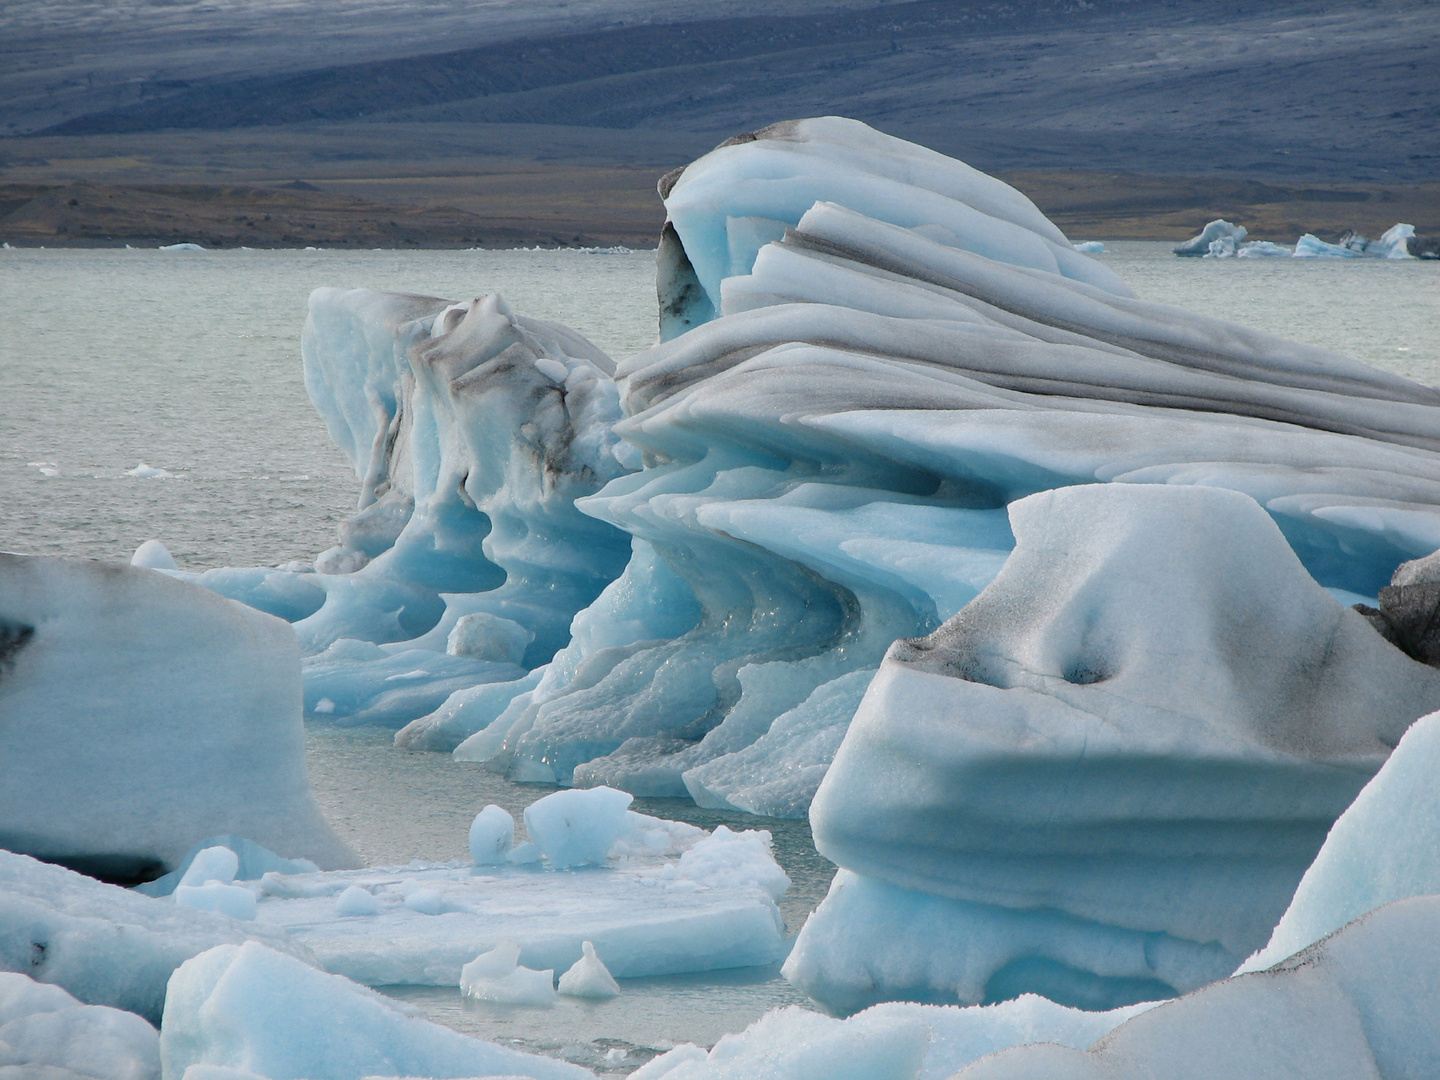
column 670, row 899
column 588, row 977
column 1361, row 1004
column 1385, row 847
column 104, row 944
column 141, row 715
column 43, row 1028
column 576, row 828
column 1210, row 709
column 253, row 1008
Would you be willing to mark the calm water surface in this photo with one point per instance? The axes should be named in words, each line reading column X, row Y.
column 190, row 362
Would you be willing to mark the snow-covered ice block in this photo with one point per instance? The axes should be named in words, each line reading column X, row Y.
column 45, row 1034
column 492, row 836
column 499, row 977
column 142, row 714
column 588, row 977
column 1385, row 847
column 104, row 944
column 578, row 827
column 671, row 900
column 1103, row 779
column 258, row 1009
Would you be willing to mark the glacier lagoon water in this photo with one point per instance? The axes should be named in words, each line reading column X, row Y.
column 189, row 363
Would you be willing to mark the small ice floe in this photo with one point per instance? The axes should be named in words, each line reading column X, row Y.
column 181, row 247
column 1090, row 247
column 497, row 976
column 149, row 472
column 153, row 555
column 47, row 468
column 589, row 977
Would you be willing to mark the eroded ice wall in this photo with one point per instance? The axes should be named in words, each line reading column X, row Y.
column 872, row 350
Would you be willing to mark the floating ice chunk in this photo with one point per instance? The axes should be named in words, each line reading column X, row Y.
column 324, row 707
column 278, row 1017
column 579, row 826
column 141, row 715
column 149, row 472
column 153, row 554
column 104, row 944
column 589, row 977
column 45, row 1034
column 497, row 976
column 211, row 864
column 492, row 835
column 235, row 901
column 1394, row 243
column 182, row 247
column 47, row 468
column 252, row 863
column 1219, row 229
column 1385, row 847
column 357, row 901
column 1090, row 247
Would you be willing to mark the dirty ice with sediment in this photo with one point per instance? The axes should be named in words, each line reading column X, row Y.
column 1092, row 635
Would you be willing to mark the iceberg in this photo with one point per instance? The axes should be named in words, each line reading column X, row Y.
column 588, row 977
column 276, row 1017
column 104, row 944
column 140, row 715
column 1103, row 779
column 1218, row 231
column 498, row 976
column 46, row 1034
column 828, row 448
column 669, row 899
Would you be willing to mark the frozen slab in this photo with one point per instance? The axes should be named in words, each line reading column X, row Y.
column 1103, row 779
column 104, row 944
column 670, row 900
column 141, row 715
column 46, row 1034
column 276, row 1017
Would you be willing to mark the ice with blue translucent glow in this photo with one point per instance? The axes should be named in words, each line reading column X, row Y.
column 1102, row 780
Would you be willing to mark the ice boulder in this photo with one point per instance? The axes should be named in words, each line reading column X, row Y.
column 498, row 976
column 588, row 977
column 154, row 555
column 139, row 714
column 252, row 1008
column 578, row 827
column 1102, row 780
column 104, row 944
column 492, row 836
column 45, row 1034
column 1385, row 847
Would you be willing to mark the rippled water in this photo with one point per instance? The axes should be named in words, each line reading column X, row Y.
column 189, row 362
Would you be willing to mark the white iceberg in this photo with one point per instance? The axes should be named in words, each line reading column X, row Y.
column 142, row 714
column 492, row 836
column 1103, row 779
column 575, row 828
column 274, row 1016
